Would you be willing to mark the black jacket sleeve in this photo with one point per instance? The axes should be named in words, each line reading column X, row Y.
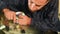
column 45, row 20
column 2, row 5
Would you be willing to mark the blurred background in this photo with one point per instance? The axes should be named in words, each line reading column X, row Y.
column 59, row 13
column 59, row 10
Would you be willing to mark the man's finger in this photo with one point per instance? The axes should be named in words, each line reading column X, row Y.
column 21, row 16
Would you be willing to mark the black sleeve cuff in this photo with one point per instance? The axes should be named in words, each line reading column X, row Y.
column 2, row 5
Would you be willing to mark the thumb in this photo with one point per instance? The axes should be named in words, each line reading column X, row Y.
column 21, row 16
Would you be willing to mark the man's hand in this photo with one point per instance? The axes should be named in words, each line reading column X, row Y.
column 24, row 20
column 10, row 15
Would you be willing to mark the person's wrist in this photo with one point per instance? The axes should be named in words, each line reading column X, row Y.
column 5, row 10
column 29, row 21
